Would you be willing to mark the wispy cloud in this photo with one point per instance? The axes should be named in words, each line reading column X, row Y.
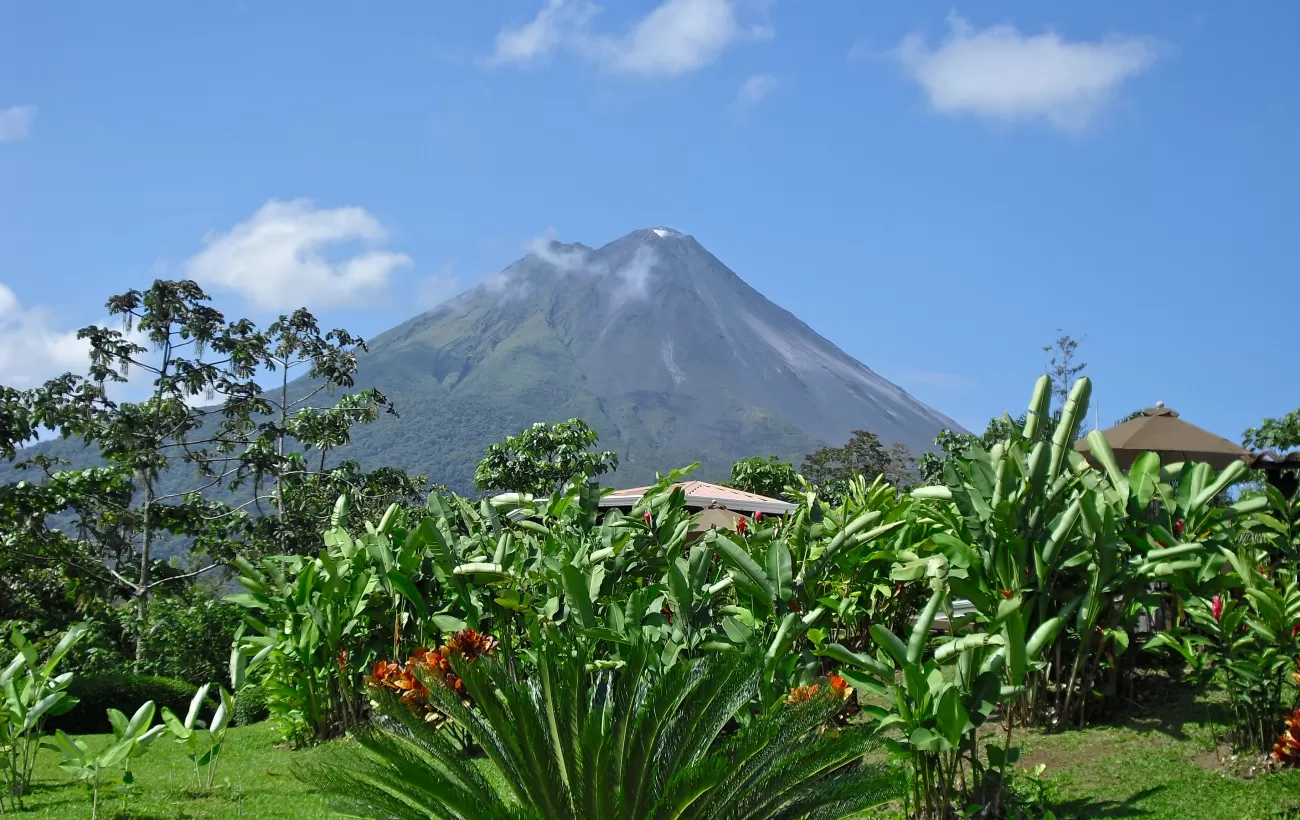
column 35, row 346
column 437, row 288
column 752, row 92
column 631, row 276
column 1002, row 74
column 16, row 121
column 276, row 259
column 32, row 348
column 676, row 37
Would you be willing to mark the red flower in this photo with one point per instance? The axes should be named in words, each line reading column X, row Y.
column 646, row 516
column 1287, row 748
column 740, row 525
column 1178, row 527
column 1161, row 543
column 1295, row 630
column 342, row 660
column 758, row 516
column 795, row 605
column 1216, row 607
column 1006, row 593
column 900, row 587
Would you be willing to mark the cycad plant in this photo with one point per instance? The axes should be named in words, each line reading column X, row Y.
column 576, row 739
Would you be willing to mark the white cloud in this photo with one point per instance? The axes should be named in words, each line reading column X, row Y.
column 999, row 73
column 437, row 288
column 275, row 259
column 676, row 37
column 632, row 277
column 556, row 25
column 752, row 92
column 15, row 122
column 32, row 349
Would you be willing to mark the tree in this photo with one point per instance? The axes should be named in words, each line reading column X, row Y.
column 195, row 352
column 830, row 468
column 763, row 476
column 276, row 450
column 543, row 458
column 1279, row 435
column 204, row 428
column 953, row 445
column 308, row 500
column 1061, row 367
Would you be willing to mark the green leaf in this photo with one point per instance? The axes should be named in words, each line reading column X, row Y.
column 890, row 642
column 1013, row 629
column 449, row 623
column 837, row 652
column 779, row 569
column 407, row 590
column 575, row 593
column 734, row 556
column 921, row 630
column 678, row 588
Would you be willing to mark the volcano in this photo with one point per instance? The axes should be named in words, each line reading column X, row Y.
column 670, row 356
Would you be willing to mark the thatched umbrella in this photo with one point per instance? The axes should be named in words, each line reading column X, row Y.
column 1160, row 430
column 713, row 517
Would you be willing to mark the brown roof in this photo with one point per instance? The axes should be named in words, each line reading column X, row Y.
column 703, row 494
column 1160, row 430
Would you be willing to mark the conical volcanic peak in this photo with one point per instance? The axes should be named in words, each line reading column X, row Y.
column 652, row 340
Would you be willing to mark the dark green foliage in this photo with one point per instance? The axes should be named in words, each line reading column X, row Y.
column 763, row 476
column 571, row 742
column 98, row 693
column 308, row 500
column 543, row 458
column 188, row 637
column 251, row 706
column 1279, row 435
column 831, row 468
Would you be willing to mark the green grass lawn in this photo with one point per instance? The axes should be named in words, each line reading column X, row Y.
column 254, row 777
column 1157, row 762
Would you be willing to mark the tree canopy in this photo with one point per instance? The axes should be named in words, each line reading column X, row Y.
column 543, row 458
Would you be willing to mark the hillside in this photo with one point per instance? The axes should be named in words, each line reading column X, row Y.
column 650, row 339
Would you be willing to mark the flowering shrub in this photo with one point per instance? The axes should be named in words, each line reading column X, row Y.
column 408, row 681
column 1287, row 748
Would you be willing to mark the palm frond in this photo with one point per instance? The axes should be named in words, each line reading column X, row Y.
column 570, row 741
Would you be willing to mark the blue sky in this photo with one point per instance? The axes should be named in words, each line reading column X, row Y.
column 935, row 188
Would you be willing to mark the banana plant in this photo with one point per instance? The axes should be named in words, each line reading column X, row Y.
column 202, row 741
column 30, row 692
column 934, row 715
column 1253, row 637
column 318, row 622
column 130, row 739
column 937, row 713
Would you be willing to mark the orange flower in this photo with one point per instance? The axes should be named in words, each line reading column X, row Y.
column 840, row 686
column 471, row 645
column 434, row 664
column 802, row 694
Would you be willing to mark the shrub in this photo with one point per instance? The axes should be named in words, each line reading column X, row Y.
column 99, row 693
column 189, row 637
column 250, row 706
